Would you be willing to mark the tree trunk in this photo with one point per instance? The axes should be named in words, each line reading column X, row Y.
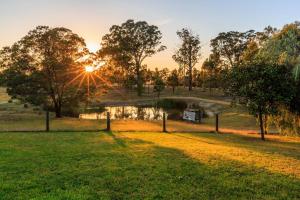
column 190, row 70
column 266, row 124
column 139, row 81
column 58, row 111
column 173, row 89
column 148, row 88
column 190, row 81
column 261, row 124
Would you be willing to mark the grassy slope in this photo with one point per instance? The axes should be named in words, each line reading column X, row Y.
column 147, row 166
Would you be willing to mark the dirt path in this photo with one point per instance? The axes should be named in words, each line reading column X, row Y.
column 225, row 103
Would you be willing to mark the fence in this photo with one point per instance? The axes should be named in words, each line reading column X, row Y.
column 18, row 117
column 47, row 122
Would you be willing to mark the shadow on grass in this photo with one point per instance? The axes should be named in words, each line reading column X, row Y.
column 118, row 141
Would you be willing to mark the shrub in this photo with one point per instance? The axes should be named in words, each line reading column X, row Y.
column 171, row 104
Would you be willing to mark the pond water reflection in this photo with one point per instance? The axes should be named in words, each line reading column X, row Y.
column 127, row 112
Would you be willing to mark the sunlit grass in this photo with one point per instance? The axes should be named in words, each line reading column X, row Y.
column 275, row 155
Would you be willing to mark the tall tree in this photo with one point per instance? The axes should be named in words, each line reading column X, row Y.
column 283, row 48
column 262, row 88
column 130, row 44
column 39, row 67
column 188, row 55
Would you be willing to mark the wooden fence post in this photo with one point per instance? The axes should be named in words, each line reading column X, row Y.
column 108, row 121
column 47, row 121
column 217, row 122
column 200, row 116
column 164, row 123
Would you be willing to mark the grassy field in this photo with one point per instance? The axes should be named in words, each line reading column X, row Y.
column 112, row 165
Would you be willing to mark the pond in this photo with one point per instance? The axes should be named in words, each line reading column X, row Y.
column 133, row 113
column 174, row 109
column 127, row 112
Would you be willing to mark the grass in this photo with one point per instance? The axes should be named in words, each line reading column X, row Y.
column 113, row 165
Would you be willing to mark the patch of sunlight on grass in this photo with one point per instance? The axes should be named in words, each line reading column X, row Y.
column 136, row 125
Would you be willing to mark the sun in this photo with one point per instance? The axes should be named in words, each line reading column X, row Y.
column 93, row 47
column 89, row 69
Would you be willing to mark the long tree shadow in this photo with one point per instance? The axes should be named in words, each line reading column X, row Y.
column 118, row 141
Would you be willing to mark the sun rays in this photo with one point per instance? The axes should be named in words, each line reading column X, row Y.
column 89, row 76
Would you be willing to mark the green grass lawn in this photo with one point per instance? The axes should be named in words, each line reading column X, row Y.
column 100, row 165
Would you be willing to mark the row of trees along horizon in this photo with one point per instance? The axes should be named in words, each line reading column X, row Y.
column 257, row 69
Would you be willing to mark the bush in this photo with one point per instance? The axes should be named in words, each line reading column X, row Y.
column 36, row 109
column 287, row 123
column 168, row 104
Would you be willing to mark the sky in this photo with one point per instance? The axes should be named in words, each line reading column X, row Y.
column 91, row 19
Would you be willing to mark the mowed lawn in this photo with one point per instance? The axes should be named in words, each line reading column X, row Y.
column 115, row 165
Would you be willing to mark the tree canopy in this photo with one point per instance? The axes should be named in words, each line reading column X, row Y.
column 262, row 88
column 188, row 54
column 130, row 44
column 229, row 46
column 39, row 67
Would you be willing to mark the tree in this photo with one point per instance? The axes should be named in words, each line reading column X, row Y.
column 230, row 46
column 283, row 48
column 130, row 44
column 210, row 65
column 188, row 55
column 262, row 88
column 159, row 85
column 39, row 67
column 173, row 80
